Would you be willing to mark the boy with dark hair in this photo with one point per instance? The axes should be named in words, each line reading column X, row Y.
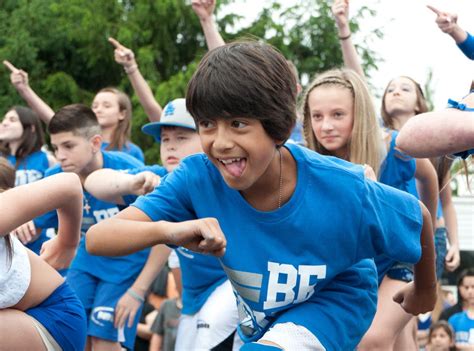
column 98, row 281
column 207, row 295
column 300, row 268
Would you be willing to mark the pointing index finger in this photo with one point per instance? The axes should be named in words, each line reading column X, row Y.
column 115, row 43
column 435, row 10
column 12, row 68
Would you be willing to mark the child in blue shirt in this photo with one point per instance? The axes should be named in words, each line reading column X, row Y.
column 98, row 281
column 207, row 297
column 21, row 142
column 277, row 214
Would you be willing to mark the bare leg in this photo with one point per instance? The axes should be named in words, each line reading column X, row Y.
column 18, row 332
column 389, row 320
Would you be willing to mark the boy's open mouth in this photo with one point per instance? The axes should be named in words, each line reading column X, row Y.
column 235, row 166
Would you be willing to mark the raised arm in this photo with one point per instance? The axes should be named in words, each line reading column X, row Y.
column 111, row 185
column 340, row 11
column 126, row 58
column 447, row 22
column 204, row 9
column 19, row 79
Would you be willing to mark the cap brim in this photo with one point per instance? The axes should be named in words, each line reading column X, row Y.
column 154, row 128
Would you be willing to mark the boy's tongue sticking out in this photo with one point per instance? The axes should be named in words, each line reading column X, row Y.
column 235, row 166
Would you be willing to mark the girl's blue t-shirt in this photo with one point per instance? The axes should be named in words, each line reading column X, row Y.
column 307, row 256
column 31, row 168
column 463, row 327
column 109, row 269
column 129, row 148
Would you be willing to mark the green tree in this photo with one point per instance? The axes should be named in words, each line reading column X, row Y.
column 63, row 46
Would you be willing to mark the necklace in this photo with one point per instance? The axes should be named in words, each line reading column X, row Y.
column 280, row 190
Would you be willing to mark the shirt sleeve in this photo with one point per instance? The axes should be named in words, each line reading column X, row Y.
column 391, row 223
column 467, row 46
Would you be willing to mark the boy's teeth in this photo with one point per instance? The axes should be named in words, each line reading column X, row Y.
column 226, row 162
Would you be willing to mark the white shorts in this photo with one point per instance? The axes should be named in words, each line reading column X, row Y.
column 290, row 336
column 215, row 321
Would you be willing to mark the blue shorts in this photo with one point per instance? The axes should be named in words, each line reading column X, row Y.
column 99, row 299
column 64, row 317
column 441, row 250
column 401, row 271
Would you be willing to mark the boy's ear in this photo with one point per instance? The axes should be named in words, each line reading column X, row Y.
column 96, row 142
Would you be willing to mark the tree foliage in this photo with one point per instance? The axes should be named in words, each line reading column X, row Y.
column 62, row 44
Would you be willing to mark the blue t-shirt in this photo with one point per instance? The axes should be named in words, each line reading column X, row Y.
column 31, row 168
column 200, row 274
column 467, row 46
column 129, row 148
column 302, row 256
column 109, row 269
column 463, row 328
column 398, row 171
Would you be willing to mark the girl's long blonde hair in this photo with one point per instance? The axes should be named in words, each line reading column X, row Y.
column 366, row 139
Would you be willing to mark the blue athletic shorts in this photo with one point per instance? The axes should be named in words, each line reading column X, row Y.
column 401, row 271
column 441, row 250
column 99, row 299
column 63, row 315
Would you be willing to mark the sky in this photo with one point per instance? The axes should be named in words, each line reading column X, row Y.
column 412, row 43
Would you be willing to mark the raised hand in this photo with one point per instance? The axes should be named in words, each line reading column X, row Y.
column 18, row 77
column 201, row 235
column 144, row 182
column 447, row 22
column 340, row 11
column 204, row 8
column 123, row 56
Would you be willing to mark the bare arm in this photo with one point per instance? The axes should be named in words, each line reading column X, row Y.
column 131, row 230
column 419, row 296
column 449, row 213
column 19, row 79
column 155, row 342
column 437, row 133
column 126, row 58
column 204, row 9
column 427, row 179
column 447, row 23
column 340, row 10
column 128, row 306
column 62, row 192
column 111, row 185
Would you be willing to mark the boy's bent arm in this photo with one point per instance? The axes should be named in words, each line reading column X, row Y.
column 420, row 295
column 131, row 230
